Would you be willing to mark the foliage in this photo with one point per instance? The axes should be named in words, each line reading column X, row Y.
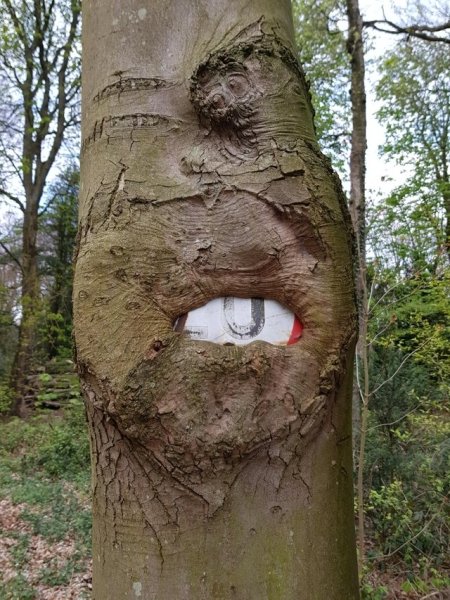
column 408, row 459
column 370, row 593
column 56, row 449
column 407, row 468
column 58, row 233
column 55, row 575
column 322, row 52
column 19, row 588
column 8, row 333
column 407, row 229
column 62, row 454
column 5, row 398
column 9, row 292
column 40, row 76
column 435, row 581
column 415, row 92
column 52, row 313
column 407, row 508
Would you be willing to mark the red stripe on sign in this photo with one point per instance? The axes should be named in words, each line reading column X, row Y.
column 296, row 332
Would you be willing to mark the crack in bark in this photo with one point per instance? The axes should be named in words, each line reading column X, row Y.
column 132, row 84
column 113, row 125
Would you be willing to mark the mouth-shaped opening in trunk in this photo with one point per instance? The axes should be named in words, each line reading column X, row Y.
column 239, row 321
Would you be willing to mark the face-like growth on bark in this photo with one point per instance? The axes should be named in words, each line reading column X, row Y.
column 268, row 221
column 225, row 95
column 237, row 92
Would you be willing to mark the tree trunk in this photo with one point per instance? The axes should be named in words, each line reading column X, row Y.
column 446, row 198
column 355, row 48
column 219, row 472
column 22, row 368
column 42, row 72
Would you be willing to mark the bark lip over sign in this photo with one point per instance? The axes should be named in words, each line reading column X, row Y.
column 200, row 183
column 220, row 404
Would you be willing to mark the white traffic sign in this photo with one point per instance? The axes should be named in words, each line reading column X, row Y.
column 241, row 321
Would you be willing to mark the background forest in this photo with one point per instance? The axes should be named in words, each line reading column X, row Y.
column 402, row 226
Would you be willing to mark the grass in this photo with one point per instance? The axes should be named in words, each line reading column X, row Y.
column 44, row 468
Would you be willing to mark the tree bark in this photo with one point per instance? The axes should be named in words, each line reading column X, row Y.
column 355, row 48
column 219, row 472
column 22, row 365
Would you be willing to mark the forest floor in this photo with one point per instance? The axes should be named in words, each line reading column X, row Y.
column 45, row 515
column 45, row 518
column 34, row 566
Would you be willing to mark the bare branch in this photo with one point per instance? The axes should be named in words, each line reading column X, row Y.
column 61, row 100
column 11, row 256
column 16, row 21
column 424, row 528
column 48, row 204
column 396, row 420
column 423, row 32
column 399, row 368
column 13, row 198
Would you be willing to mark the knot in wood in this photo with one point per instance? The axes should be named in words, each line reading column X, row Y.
column 224, row 93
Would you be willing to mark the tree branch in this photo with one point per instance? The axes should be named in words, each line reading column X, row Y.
column 407, row 357
column 13, row 198
column 11, row 256
column 423, row 32
column 424, row 528
column 396, row 420
column 61, row 102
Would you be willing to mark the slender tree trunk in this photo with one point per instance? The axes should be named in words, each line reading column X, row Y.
column 446, row 198
column 358, row 214
column 219, row 472
column 21, row 368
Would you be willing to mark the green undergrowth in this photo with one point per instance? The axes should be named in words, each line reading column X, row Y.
column 44, row 468
column 435, row 586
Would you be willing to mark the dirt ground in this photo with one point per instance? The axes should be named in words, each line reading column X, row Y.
column 40, row 554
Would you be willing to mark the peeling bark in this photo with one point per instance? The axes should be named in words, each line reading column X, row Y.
column 219, row 471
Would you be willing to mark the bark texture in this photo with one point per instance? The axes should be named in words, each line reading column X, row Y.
column 355, row 48
column 220, row 472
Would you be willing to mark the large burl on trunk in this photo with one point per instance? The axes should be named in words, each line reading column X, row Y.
column 219, row 472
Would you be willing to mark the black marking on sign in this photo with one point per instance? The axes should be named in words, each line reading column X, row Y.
column 197, row 332
column 248, row 330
